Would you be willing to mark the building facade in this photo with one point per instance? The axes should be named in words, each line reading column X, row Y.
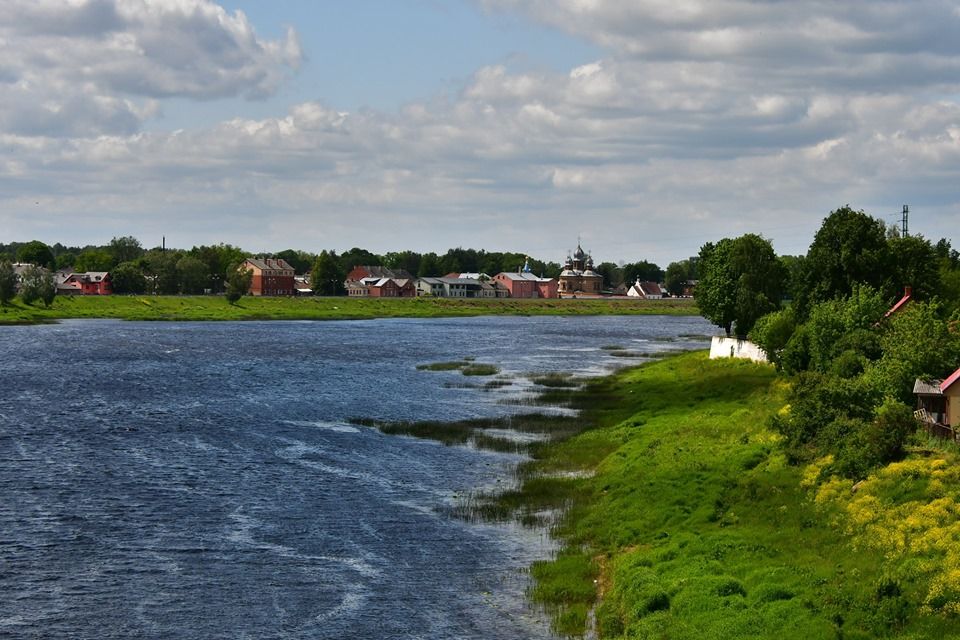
column 524, row 284
column 271, row 277
column 578, row 275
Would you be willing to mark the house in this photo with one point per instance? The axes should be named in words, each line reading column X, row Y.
column 271, row 276
column 689, row 288
column 301, row 285
column 938, row 404
column 391, row 288
column 455, row 287
column 648, row 290
column 91, row 283
column 19, row 271
column 578, row 275
column 523, row 284
column 364, row 272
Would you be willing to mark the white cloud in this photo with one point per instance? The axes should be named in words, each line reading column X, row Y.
column 704, row 119
column 74, row 68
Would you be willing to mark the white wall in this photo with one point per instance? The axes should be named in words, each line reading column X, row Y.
column 733, row 348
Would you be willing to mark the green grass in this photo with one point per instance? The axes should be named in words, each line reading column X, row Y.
column 340, row 308
column 686, row 522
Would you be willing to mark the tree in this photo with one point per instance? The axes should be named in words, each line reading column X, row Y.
column 8, row 282
column 849, row 248
column 916, row 343
column 612, row 275
column 740, row 281
column 36, row 253
column 429, row 266
column 93, row 260
column 409, row 261
column 127, row 277
column 238, row 282
column 356, row 257
column 772, row 333
column 125, row 249
column 218, row 258
column 645, row 271
column 301, row 261
column 676, row 275
column 38, row 284
column 161, row 271
column 914, row 263
column 193, row 275
column 327, row 276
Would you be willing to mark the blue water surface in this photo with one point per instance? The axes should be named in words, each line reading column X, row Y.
column 202, row 480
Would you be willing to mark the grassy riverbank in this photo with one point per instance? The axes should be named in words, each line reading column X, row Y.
column 679, row 517
column 684, row 520
column 249, row 308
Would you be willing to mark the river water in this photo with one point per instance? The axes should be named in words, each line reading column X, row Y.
column 202, row 480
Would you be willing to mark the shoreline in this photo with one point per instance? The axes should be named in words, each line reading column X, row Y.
column 676, row 515
column 216, row 308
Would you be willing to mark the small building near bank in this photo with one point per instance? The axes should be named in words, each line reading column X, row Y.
column 271, row 277
column 390, row 288
column 938, row 405
column 458, row 287
column 91, row 283
column 647, row 290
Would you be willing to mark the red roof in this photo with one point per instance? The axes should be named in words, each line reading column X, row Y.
column 907, row 297
column 946, row 384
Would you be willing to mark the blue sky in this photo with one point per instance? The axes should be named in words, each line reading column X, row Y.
column 647, row 128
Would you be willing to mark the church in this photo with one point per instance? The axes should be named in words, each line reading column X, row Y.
column 578, row 275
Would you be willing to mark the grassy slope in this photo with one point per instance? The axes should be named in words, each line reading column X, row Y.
column 249, row 308
column 693, row 526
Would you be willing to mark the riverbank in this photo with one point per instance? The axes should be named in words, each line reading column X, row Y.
column 683, row 520
column 191, row 308
column 678, row 517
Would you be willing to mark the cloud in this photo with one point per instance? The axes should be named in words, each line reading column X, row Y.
column 73, row 68
column 702, row 120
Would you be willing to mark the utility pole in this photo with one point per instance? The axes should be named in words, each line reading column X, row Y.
column 906, row 215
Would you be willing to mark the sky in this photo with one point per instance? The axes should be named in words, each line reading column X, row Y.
column 642, row 129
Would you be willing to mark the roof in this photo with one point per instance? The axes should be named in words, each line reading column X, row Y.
column 907, row 297
column 648, row 288
column 927, row 387
column 377, row 271
column 269, row 263
column 950, row 381
column 510, row 275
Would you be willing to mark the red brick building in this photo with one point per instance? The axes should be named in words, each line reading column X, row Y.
column 271, row 277
column 393, row 288
column 526, row 285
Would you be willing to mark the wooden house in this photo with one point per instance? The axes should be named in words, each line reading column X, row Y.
column 938, row 405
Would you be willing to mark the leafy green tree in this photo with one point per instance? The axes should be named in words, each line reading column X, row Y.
column 645, row 271
column 356, row 257
column 127, row 277
column 849, row 248
column 740, row 281
column 66, row 260
column 409, row 261
column 237, row 283
column 161, row 271
column 125, row 249
column 327, row 275
column 193, row 274
column 38, row 284
column 612, row 275
column 429, row 266
column 676, row 275
column 914, row 263
column 36, row 253
column 301, row 261
column 845, row 325
column 93, row 260
column 218, row 258
column 8, row 282
column 772, row 333
column 916, row 343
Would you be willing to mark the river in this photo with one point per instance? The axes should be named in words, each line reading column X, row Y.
column 202, row 480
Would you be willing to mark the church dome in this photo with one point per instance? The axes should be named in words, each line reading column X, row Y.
column 580, row 253
column 568, row 273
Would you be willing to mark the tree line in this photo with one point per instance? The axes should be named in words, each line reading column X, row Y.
column 135, row 269
column 822, row 320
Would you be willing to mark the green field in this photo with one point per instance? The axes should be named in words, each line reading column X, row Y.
column 341, row 308
column 684, row 520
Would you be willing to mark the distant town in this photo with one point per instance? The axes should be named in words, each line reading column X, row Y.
column 124, row 267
